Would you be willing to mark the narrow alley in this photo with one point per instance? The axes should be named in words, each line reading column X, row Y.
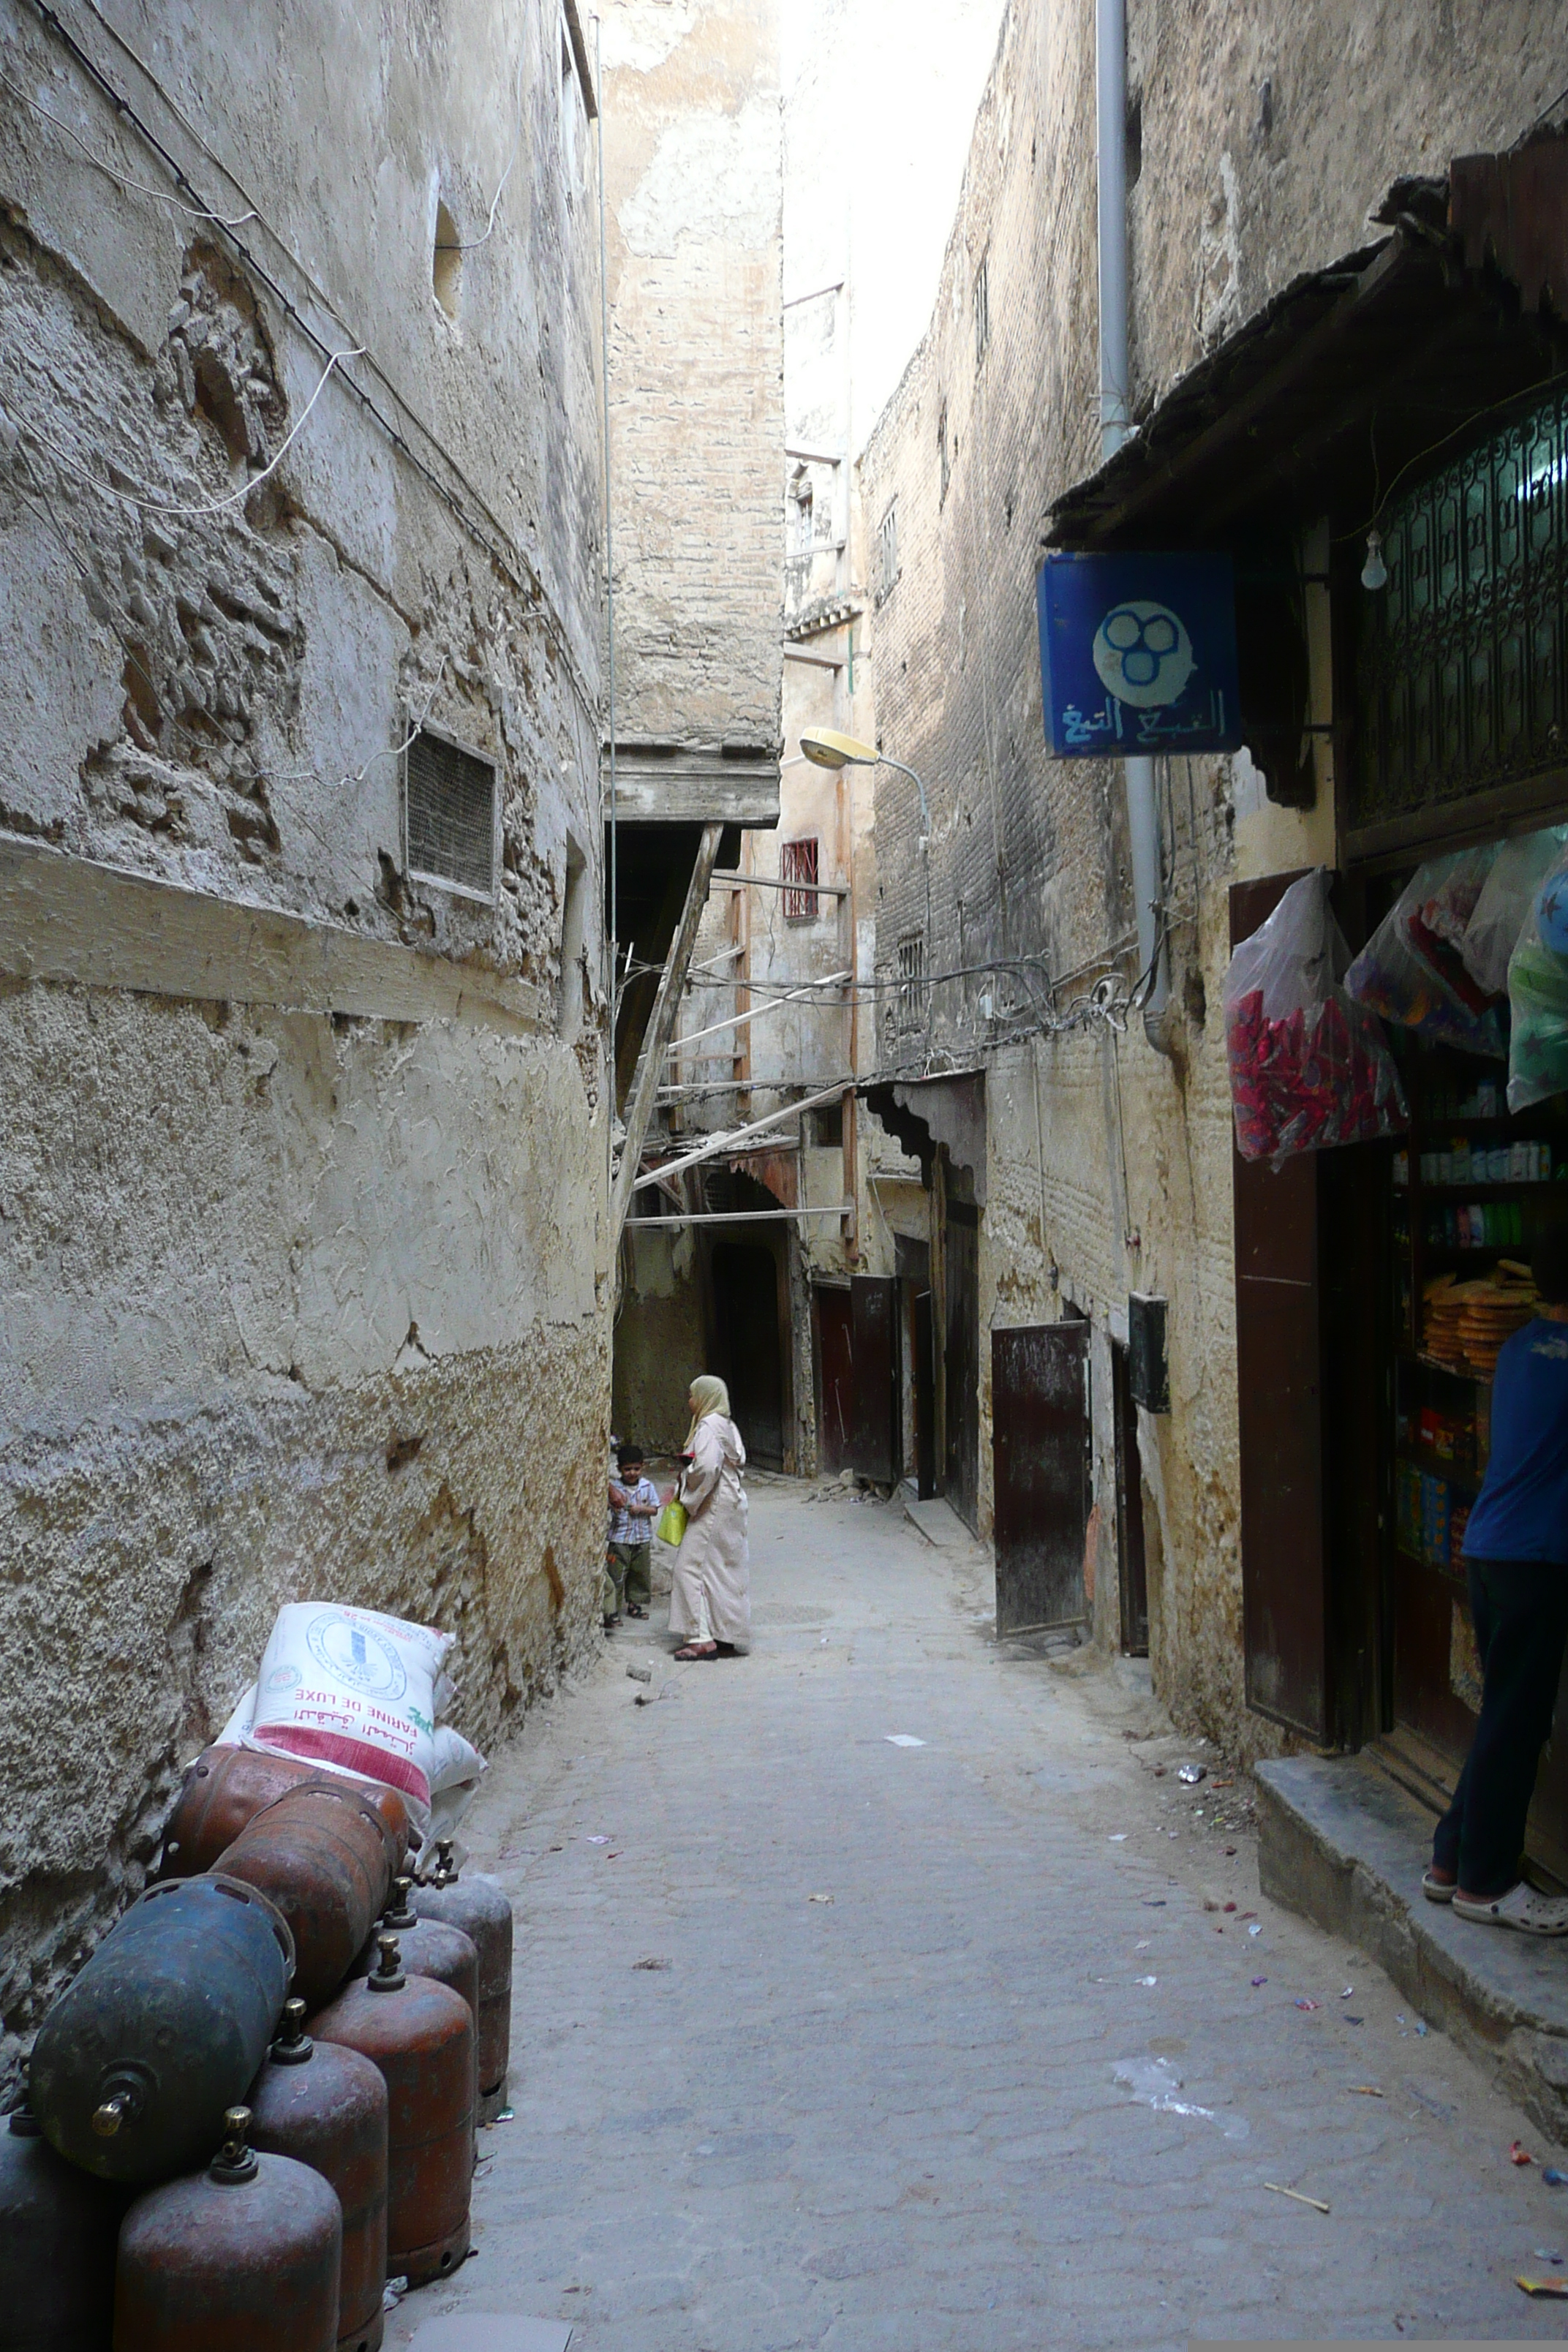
column 878, row 1988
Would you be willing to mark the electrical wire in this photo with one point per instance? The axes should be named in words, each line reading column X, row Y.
column 144, row 499
column 137, row 187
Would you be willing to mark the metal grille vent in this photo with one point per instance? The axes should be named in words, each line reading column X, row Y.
column 797, row 864
column 450, row 798
column 911, row 980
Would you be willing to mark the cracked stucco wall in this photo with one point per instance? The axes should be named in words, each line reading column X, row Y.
column 301, row 1161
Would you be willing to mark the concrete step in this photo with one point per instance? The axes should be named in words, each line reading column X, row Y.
column 937, row 1520
column 1340, row 1842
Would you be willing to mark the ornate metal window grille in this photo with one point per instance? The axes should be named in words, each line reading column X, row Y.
column 449, row 813
column 797, row 864
column 1462, row 659
column 911, row 968
column 886, row 552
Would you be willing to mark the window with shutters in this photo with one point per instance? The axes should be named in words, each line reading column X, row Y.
column 888, row 551
column 449, row 815
column 797, row 871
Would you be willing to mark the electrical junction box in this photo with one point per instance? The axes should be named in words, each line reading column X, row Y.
column 1138, row 655
column 1148, row 1367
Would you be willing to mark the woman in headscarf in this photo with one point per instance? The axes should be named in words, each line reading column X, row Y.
column 711, row 1600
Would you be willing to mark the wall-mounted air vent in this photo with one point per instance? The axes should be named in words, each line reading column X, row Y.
column 449, row 815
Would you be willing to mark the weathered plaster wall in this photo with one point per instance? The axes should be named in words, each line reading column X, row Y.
column 301, row 1161
column 694, row 179
column 1029, row 865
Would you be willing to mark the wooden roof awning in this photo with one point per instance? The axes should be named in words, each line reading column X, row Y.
column 1355, row 375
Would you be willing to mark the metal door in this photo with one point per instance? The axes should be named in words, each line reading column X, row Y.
column 875, row 1431
column 962, row 1360
column 925, row 1396
column 1284, row 1598
column 836, row 1377
column 1040, row 1435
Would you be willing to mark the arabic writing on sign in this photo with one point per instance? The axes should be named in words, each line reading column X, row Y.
column 1151, row 730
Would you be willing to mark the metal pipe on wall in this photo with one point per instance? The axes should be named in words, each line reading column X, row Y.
column 1115, row 423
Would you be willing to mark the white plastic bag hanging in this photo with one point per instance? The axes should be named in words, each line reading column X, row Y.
column 1412, row 970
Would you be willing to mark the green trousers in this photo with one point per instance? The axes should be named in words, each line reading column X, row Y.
column 628, row 1574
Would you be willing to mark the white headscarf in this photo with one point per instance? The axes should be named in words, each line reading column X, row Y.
column 707, row 1395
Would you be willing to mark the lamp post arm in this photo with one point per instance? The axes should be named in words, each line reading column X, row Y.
column 904, row 769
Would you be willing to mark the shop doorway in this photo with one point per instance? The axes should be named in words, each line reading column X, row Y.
column 962, row 1360
column 1039, row 1404
column 835, row 1378
column 745, row 1279
column 1130, row 1559
column 877, row 1438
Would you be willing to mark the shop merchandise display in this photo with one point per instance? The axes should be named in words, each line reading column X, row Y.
column 1308, row 1067
column 1413, row 969
column 1538, row 995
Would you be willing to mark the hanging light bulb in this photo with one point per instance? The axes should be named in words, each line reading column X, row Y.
column 1374, row 571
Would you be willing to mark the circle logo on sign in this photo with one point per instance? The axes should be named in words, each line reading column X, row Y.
column 1142, row 653
column 356, row 1654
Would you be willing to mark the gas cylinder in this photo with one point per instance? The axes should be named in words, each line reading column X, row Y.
column 326, row 1857
column 421, row 2035
column 57, row 2232
column 325, row 2104
column 478, row 1907
column 225, row 1788
column 245, row 2256
column 430, row 1947
column 163, row 2029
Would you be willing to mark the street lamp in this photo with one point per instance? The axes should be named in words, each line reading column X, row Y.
column 825, row 747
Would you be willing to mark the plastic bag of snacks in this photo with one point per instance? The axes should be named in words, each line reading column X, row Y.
column 1308, row 1066
column 1538, row 993
column 1504, row 907
column 1412, row 971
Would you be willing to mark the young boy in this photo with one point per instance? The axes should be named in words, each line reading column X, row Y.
column 633, row 1507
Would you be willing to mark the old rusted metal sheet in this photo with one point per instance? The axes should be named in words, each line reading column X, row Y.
column 421, row 2035
column 478, row 1906
column 875, row 1437
column 326, row 1857
column 325, row 2105
column 1284, row 1588
column 225, row 1790
column 246, row 2255
column 1040, row 1436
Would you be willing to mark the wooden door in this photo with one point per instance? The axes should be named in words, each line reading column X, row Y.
column 1040, row 1436
column 1278, row 1370
column 962, row 1360
column 1131, row 1557
column 835, row 1378
column 876, row 1427
column 925, row 1396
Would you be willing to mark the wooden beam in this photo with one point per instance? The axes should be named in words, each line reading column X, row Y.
column 679, row 785
column 660, row 1029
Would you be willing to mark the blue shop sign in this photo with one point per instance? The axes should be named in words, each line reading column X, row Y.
column 1138, row 655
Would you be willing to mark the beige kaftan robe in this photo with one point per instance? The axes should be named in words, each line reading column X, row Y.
column 711, row 1569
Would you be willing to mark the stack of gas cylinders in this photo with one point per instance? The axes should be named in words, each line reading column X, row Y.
column 257, row 2100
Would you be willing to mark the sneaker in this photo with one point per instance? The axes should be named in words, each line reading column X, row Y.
column 1520, row 1907
column 1437, row 1890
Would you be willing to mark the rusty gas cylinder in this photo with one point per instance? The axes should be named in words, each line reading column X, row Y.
column 325, row 2105
column 421, row 2035
column 325, row 1857
column 430, row 1947
column 57, row 2232
column 225, row 1790
column 478, row 1907
column 244, row 2256
column 164, row 2030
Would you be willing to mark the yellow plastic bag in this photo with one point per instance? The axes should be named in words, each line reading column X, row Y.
column 671, row 1522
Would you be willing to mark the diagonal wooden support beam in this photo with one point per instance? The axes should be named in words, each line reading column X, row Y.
column 660, row 1029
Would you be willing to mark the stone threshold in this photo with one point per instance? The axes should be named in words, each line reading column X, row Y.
column 1345, row 1845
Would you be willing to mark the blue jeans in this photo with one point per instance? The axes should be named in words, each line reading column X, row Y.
column 1520, row 1612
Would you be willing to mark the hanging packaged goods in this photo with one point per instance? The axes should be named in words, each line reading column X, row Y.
column 1538, row 994
column 1309, row 1066
column 163, row 2029
column 325, row 1856
column 58, row 2229
column 245, row 2256
column 421, row 2035
column 1413, row 969
column 225, row 1790
column 325, row 2105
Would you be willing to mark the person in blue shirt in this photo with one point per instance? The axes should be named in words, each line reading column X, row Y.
column 1516, row 1557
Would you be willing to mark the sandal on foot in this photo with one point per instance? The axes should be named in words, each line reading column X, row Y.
column 635, row 1611
column 1522, row 1908
column 1437, row 1890
column 688, row 1650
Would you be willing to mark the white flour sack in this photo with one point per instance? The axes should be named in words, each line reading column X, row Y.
column 359, row 1692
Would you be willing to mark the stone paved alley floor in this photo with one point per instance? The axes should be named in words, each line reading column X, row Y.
column 1008, row 2080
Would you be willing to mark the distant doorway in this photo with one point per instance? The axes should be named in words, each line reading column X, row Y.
column 746, row 1330
column 1132, row 1560
column 835, row 1379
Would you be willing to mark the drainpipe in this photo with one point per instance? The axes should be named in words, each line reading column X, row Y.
column 1115, row 423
